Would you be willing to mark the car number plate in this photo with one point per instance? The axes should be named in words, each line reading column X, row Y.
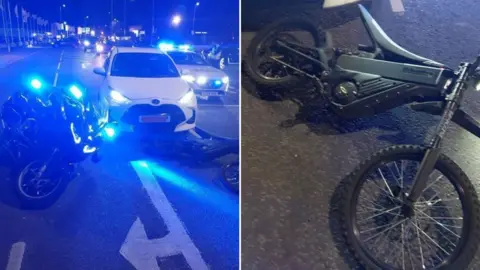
column 209, row 94
column 162, row 118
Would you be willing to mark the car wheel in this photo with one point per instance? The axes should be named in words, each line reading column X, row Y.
column 222, row 63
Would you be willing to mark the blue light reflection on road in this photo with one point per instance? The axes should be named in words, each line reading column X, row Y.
column 223, row 201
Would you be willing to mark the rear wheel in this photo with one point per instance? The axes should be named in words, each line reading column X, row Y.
column 258, row 64
column 440, row 231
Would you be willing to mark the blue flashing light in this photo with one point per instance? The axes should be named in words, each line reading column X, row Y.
column 165, row 46
column 36, row 84
column 76, row 92
column 218, row 82
column 184, row 47
column 110, row 132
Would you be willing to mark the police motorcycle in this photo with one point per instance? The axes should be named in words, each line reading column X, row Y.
column 46, row 132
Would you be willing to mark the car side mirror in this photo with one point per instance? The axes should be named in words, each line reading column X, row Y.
column 99, row 71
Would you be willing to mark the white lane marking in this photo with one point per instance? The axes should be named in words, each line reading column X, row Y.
column 397, row 6
column 140, row 251
column 58, row 69
column 18, row 59
column 16, row 256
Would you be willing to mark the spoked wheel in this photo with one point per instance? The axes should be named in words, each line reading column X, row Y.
column 37, row 190
column 440, row 231
column 259, row 64
column 231, row 177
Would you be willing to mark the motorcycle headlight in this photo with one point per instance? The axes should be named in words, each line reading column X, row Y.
column 86, row 43
column 188, row 78
column 99, row 48
column 188, row 99
column 117, row 97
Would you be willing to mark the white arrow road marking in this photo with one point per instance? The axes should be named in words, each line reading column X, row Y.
column 142, row 252
column 397, row 6
column 16, row 256
column 337, row 3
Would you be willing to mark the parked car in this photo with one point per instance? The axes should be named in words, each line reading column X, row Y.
column 207, row 82
column 66, row 42
column 144, row 91
column 89, row 44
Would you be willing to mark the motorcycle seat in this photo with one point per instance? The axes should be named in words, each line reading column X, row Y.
column 391, row 50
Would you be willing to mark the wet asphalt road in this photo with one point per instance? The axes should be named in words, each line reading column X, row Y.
column 116, row 214
column 290, row 173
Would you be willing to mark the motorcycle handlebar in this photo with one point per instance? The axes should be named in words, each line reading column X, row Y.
column 476, row 63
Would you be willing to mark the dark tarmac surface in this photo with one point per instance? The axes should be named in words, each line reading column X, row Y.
column 88, row 226
column 290, row 174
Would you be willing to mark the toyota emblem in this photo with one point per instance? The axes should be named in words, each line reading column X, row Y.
column 156, row 101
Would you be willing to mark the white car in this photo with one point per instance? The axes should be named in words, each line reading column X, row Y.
column 143, row 90
column 206, row 81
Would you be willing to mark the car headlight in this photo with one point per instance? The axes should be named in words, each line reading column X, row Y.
column 86, row 43
column 188, row 78
column 99, row 48
column 225, row 79
column 188, row 98
column 117, row 97
column 202, row 80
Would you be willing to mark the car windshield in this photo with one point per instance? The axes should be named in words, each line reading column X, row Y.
column 143, row 65
column 181, row 58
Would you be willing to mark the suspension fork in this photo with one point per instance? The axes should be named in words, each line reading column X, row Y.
column 433, row 148
column 47, row 162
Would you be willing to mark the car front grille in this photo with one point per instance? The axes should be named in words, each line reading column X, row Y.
column 132, row 117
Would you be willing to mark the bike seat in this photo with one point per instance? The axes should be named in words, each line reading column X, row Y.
column 392, row 51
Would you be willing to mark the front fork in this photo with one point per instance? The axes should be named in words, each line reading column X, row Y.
column 433, row 150
column 431, row 155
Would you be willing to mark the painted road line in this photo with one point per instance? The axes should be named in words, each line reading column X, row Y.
column 16, row 256
column 55, row 80
column 397, row 6
column 17, row 59
column 142, row 252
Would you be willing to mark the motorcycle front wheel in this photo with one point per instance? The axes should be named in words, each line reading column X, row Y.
column 441, row 230
column 266, row 72
column 231, row 177
column 36, row 192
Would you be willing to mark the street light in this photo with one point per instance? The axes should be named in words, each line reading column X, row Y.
column 176, row 20
column 194, row 13
column 61, row 7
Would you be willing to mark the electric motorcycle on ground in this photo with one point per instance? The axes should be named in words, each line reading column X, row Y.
column 47, row 131
column 202, row 148
column 406, row 219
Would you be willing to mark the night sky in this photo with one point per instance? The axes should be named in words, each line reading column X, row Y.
column 212, row 15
